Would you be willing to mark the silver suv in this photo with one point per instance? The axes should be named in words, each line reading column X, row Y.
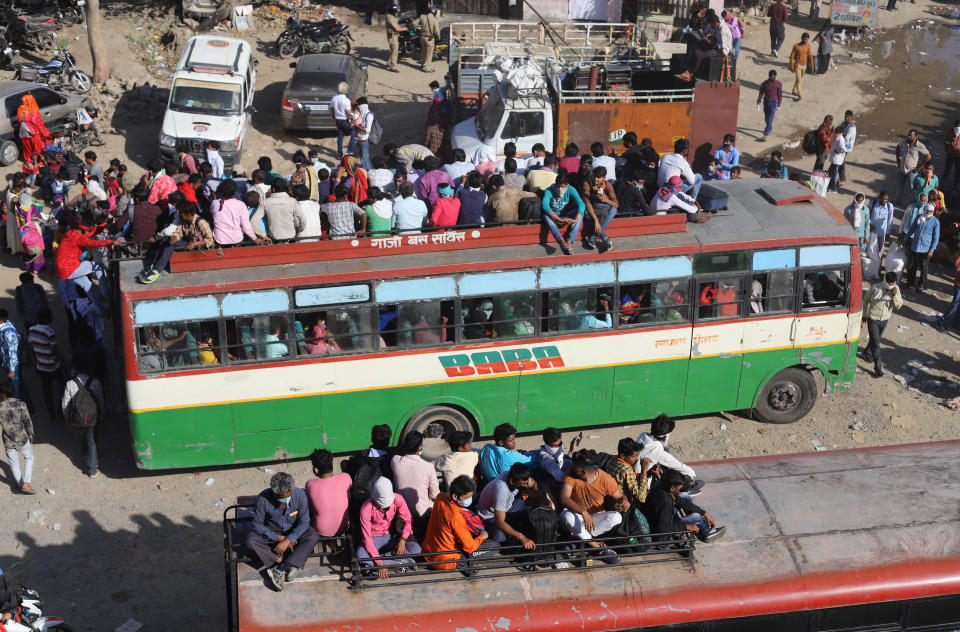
column 56, row 108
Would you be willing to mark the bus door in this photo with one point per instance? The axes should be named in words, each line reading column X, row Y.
column 770, row 324
column 716, row 345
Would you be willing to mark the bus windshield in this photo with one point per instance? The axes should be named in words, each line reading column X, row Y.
column 205, row 97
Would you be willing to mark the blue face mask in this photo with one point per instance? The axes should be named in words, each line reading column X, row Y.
column 465, row 502
column 285, row 501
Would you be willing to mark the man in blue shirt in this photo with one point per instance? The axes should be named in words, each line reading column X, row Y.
column 728, row 156
column 281, row 527
column 924, row 236
column 497, row 457
column 881, row 219
column 562, row 205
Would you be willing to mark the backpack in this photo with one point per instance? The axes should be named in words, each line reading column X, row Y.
column 809, row 142
column 83, row 411
column 376, row 132
column 528, row 210
column 365, row 471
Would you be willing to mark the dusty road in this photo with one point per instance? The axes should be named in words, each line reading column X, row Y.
column 147, row 545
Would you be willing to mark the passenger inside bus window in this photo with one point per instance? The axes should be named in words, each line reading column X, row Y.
column 635, row 304
column 186, row 345
column 317, row 340
column 503, row 316
column 349, row 328
column 720, row 298
column 424, row 323
column 579, row 309
column 823, row 288
column 261, row 337
column 150, row 358
column 772, row 292
column 670, row 301
column 477, row 318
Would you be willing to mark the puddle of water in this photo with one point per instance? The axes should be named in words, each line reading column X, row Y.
column 922, row 91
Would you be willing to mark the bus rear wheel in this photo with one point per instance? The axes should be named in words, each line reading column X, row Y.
column 436, row 423
column 787, row 397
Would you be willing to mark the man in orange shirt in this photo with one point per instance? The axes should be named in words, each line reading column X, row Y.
column 448, row 529
column 800, row 57
column 585, row 492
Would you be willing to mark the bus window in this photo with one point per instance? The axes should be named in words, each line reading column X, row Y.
column 635, row 303
column 654, row 302
column 772, row 292
column 578, row 309
column 350, row 329
column 719, row 298
column 262, row 337
column 316, row 337
column 424, row 323
column 179, row 345
column 503, row 316
column 720, row 262
column 823, row 288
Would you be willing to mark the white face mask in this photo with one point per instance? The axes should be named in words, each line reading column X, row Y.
column 890, row 286
column 712, row 169
column 465, row 502
column 956, row 131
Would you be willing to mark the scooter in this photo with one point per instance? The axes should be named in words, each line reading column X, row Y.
column 53, row 73
column 27, row 614
column 83, row 132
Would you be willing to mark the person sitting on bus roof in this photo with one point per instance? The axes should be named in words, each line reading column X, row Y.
column 329, row 496
column 635, row 485
column 192, row 233
column 341, row 213
column 459, row 166
column 539, row 179
column 449, row 530
column 654, row 448
column 473, row 201
column 416, row 479
column 550, row 456
column 775, row 164
column 285, row 220
column 446, row 210
column 432, row 178
column 585, row 494
column 503, row 205
column 378, row 539
column 497, row 457
column 511, row 177
column 502, row 505
column 713, row 170
column 600, row 160
column 409, row 213
column 676, row 164
column 630, row 194
column 231, row 220
column 189, row 187
column 562, row 206
column 281, row 528
column 601, row 203
column 462, row 460
column 671, row 196
column 666, row 502
column 537, row 153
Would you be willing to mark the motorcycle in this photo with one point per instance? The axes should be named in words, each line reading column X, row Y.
column 82, row 133
column 8, row 54
column 55, row 72
column 409, row 41
column 302, row 37
column 72, row 11
column 27, row 614
column 34, row 31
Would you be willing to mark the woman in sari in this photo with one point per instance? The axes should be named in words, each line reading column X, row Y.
column 34, row 135
column 357, row 175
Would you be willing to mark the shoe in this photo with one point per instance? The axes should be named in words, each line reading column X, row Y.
column 425, row 69
column 562, row 565
column 393, row 70
column 696, row 488
column 940, row 327
column 607, row 245
column 589, row 244
column 149, row 277
column 878, row 371
column 93, row 473
column 764, row 137
column 275, row 577
column 607, row 556
column 713, row 534
column 27, row 489
column 563, row 247
column 774, row 53
column 291, row 573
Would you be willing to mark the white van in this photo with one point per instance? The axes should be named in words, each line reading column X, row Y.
column 211, row 99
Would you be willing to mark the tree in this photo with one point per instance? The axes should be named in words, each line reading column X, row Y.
column 101, row 64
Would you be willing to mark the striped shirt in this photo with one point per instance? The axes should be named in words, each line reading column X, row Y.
column 43, row 341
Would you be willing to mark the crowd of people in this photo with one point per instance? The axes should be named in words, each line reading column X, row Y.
column 404, row 512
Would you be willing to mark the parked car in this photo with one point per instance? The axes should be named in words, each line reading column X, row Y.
column 57, row 109
column 306, row 98
column 200, row 8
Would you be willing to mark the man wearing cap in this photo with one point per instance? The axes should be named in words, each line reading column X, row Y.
column 381, row 535
column 281, row 528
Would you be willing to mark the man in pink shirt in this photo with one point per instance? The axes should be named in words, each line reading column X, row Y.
column 329, row 496
column 416, row 480
column 433, row 177
column 378, row 538
column 231, row 220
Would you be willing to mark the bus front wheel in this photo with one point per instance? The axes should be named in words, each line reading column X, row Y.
column 436, row 423
column 787, row 397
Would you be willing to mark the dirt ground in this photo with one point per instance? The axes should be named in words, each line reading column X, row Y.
column 147, row 545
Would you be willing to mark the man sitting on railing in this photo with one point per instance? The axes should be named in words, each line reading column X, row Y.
column 192, row 233
column 586, row 490
column 386, row 530
column 669, row 510
column 281, row 527
column 502, row 505
column 449, row 530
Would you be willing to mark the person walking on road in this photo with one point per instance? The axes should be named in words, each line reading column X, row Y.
column 82, row 402
column 881, row 300
column 824, row 137
column 769, row 99
column 393, row 36
column 849, row 128
column 17, row 430
column 912, row 155
column 800, row 57
column 824, row 47
column 778, row 13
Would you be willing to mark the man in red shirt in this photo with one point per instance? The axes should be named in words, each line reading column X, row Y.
column 823, row 142
column 770, row 98
column 777, row 13
column 70, row 268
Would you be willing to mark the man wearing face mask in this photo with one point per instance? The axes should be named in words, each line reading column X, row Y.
column 281, row 529
column 386, row 530
column 924, row 237
column 882, row 298
column 728, row 156
column 449, row 529
column 856, row 215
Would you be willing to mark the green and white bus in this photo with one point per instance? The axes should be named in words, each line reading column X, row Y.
column 266, row 353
